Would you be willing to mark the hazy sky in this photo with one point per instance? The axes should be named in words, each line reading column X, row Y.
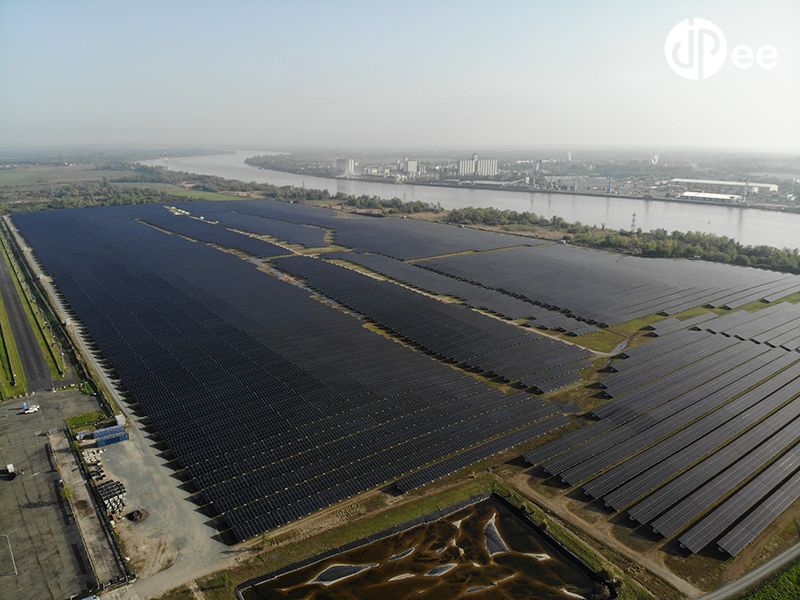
column 427, row 74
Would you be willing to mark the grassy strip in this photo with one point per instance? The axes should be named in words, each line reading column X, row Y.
column 35, row 319
column 8, row 374
column 11, row 360
column 85, row 419
column 605, row 340
column 780, row 587
column 758, row 304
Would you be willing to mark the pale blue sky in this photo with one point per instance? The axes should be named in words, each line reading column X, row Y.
column 389, row 74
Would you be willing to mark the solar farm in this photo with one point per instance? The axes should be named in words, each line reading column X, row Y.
column 292, row 358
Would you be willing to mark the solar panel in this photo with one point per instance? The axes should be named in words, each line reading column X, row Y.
column 305, row 235
column 275, row 405
column 206, row 232
column 400, row 238
column 606, row 288
column 759, row 519
column 725, row 515
column 678, row 488
column 686, row 511
column 454, row 332
column 473, row 295
column 452, row 464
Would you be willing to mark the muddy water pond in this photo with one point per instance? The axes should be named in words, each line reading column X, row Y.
column 486, row 550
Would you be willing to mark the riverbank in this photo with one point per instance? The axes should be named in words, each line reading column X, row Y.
column 747, row 226
column 499, row 187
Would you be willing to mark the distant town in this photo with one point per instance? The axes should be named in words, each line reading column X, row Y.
column 736, row 182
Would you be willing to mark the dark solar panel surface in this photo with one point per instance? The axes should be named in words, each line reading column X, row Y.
column 715, row 524
column 608, row 288
column 400, row 238
column 749, row 459
column 473, row 295
column 274, row 419
column 761, row 517
column 473, row 455
column 452, row 331
column 275, row 404
column 305, row 235
column 207, row 232
column 698, row 420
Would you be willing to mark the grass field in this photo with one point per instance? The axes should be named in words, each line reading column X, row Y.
column 85, row 420
column 781, row 587
column 41, row 176
column 605, row 340
column 177, row 190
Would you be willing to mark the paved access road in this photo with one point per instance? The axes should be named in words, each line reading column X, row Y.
column 37, row 374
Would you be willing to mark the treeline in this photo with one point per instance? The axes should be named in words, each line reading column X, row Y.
column 392, row 205
column 211, row 183
column 495, row 217
column 79, row 194
column 658, row 243
column 292, row 164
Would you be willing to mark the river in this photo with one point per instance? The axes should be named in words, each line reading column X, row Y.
column 746, row 225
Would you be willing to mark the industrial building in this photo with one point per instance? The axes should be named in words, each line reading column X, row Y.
column 712, row 197
column 346, row 167
column 742, row 188
column 483, row 167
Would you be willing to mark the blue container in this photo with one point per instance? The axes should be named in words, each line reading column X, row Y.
column 107, row 431
column 112, row 439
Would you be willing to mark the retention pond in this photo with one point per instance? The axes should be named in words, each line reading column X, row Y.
column 485, row 550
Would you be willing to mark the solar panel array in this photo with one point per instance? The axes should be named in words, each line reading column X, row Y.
column 311, row 237
column 777, row 326
column 449, row 331
column 485, row 450
column 399, row 238
column 701, row 437
column 206, row 232
column 606, row 288
column 276, row 405
column 473, row 295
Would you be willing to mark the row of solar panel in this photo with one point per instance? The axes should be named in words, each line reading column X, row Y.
column 275, row 404
column 604, row 288
column 473, row 295
column 399, row 238
column 473, row 455
column 450, row 331
column 207, row 232
column 775, row 326
column 311, row 237
column 613, row 289
column 698, row 437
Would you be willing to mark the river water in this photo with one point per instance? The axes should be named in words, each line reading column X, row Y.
column 746, row 225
